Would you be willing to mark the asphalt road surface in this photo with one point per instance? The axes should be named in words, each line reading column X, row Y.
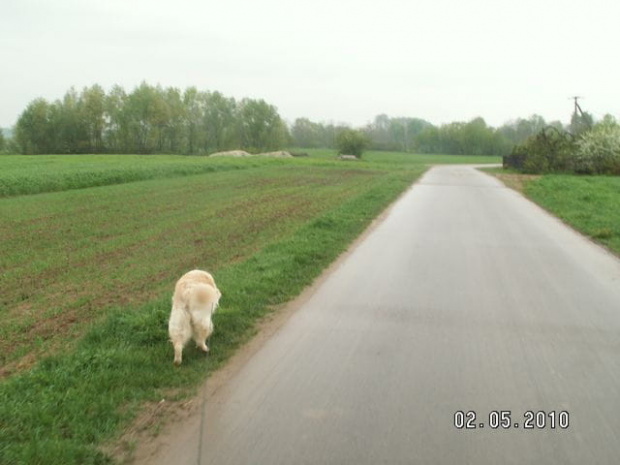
column 466, row 298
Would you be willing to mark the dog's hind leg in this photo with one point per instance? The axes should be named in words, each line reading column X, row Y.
column 180, row 332
column 202, row 330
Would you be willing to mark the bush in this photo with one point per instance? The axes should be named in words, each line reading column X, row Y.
column 351, row 142
column 598, row 150
column 551, row 150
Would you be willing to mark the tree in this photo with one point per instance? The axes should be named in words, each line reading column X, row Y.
column 518, row 131
column 480, row 139
column 402, row 132
column 260, row 126
column 32, row 131
column 68, row 125
column 474, row 137
column 351, row 142
column 428, row 140
column 144, row 117
column 192, row 119
column 598, row 150
column 116, row 134
column 172, row 127
column 386, row 133
column 2, row 140
column 580, row 123
column 307, row 134
column 379, row 133
column 219, row 122
column 92, row 112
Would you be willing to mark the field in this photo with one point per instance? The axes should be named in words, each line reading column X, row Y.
column 588, row 204
column 92, row 246
column 33, row 174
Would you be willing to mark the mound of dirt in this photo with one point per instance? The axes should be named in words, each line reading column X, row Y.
column 232, row 153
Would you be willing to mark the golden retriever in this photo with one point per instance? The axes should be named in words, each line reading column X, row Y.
column 194, row 301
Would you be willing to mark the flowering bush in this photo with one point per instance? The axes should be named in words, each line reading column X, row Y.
column 598, row 150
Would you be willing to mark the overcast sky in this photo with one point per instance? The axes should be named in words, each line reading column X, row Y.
column 329, row 60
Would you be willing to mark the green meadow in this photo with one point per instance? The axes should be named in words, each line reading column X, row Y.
column 93, row 244
column 590, row 204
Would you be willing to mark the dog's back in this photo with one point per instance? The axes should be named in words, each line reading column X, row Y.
column 189, row 281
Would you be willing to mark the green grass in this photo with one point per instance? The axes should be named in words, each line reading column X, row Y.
column 33, row 174
column 87, row 275
column 402, row 158
column 71, row 254
column 589, row 204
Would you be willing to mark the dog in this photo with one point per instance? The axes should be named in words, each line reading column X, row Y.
column 194, row 301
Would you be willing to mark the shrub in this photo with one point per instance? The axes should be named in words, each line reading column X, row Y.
column 598, row 150
column 548, row 151
column 351, row 142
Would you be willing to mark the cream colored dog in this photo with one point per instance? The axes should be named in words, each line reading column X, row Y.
column 194, row 301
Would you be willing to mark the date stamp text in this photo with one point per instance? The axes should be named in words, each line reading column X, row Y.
column 506, row 419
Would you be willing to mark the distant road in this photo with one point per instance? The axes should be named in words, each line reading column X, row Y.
column 467, row 297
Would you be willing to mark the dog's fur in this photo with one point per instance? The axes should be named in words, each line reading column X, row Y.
column 194, row 301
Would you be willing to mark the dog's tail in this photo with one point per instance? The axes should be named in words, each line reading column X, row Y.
column 203, row 295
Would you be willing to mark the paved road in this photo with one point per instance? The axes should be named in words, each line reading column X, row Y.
column 466, row 298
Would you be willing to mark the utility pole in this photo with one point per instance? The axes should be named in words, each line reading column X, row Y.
column 577, row 107
column 580, row 122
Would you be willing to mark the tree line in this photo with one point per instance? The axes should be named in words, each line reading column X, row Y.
column 417, row 135
column 153, row 119
column 150, row 119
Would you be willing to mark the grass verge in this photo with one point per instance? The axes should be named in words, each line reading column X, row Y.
column 589, row 204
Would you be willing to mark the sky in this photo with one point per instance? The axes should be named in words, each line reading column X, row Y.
column 341, row 61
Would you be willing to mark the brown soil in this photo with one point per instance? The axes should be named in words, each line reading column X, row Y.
column 515, row 181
